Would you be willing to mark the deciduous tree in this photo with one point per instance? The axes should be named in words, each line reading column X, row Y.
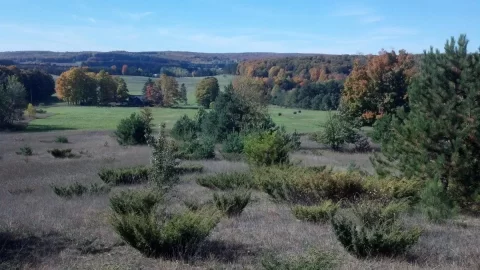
column 124, row 69
column 183, row 94
column 207, row 91
column 12, row 100
column 169, row 88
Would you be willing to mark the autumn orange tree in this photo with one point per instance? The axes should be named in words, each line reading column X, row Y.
column 124, row 69
column 378, row 86
column 75, row 86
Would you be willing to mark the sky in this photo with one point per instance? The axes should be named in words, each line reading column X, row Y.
column 301, row 26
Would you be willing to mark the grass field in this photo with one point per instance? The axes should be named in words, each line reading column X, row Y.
column 135, row 84
column 98, row 118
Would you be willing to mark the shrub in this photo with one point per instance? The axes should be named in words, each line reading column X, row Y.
column 189, row 168
column 279, row 114
column 233, row 143
column 309, row 186
column 195, row 205
column 61, row 139
column 270, row 147
column 40, row 110
column 371, row 230
column 316, row 213
column 184, row 129
column 203, row 148
column 435, row 203
column 125, row 176
column 232, row 203
column 61, row 153
column 163, row 161
column 169, row 236
column 336, row 132
column 391, row 189
column 25, row 151
column 225, row 181
column 299, row 111
column 31, row 112
column 294, row 112
column 135, row 129
column 77, row 189
column 361, row 143
column 315, row 260
column 138, row 202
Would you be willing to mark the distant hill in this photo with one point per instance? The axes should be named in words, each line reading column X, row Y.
column 140, row 63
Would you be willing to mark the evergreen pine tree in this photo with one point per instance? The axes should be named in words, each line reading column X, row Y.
column 439, row 137
column 183, row 93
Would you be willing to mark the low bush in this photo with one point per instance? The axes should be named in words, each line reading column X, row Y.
column 138, row 202
column 233, row 143
column 279, row 114
column 435, row 203
column 314, row 185
column 371, row 230
column 40, row 110
column 61, row 139
column 337, row 131
column 61, row 153
column 135, row 129
column 77, row 189
column 189, row 168
column 299, row 111
column 185, row 129
column 308, row 186
column 314, row 260
column 270, row 147
column 232, row 203
column 202, row 148
column 169, row 236
column 315, row 213
column 125, row 176
column 194, row 205
column 225, row 181
column 294, row 112
column 25, row 151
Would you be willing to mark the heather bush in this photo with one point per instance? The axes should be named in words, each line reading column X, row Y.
column 25, row 151
column 77, row 189
column 160, row 235
column 225, row 181
column 125, row 176
column 61, row 139
column 315, row 213
column 232, row 203
column 371, row 230
column 61, row 153
column 314, row 260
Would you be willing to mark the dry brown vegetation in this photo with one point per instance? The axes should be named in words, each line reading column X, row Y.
column 39, row 230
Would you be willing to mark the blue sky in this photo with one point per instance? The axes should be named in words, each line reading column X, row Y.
column 304, row 26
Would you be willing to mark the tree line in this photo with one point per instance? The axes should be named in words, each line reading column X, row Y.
column 39, row 85
column 80, row 87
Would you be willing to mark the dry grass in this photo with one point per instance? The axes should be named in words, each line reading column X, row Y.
column 40, row 230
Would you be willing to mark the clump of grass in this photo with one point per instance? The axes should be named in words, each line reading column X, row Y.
column 189, row 168
column 314, row 260
column 25, row 151
column 61, row 139
column 316, row 213
column 125, row 176
column 372, row 229
column 232, row 203
column 61, row 153
column 77, row 189
column 168, row 236
column 225, row 181
column 194, row 205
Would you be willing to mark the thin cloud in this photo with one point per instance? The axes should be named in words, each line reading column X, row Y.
column 362, row 14
column 84, row 19
column 138, row 15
